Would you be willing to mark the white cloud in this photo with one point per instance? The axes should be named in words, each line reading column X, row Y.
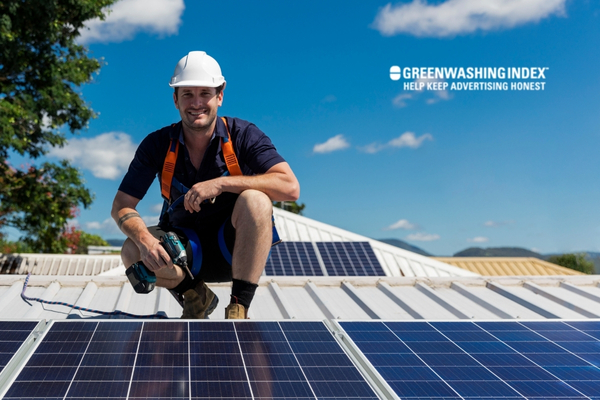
column 420, row 84
column 402, row 224
column 151, row 220
column 128, row 17
column 107, row 226
column 156, row 208
column 478, row 239
column 423, row 237
column 335, row 143
column 408, row 139
column 496, row 224
column 107, row 155
column 456, row 17
column 400, row 100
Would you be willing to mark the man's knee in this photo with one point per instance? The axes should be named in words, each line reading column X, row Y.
column 129, row 253
column 253, row 205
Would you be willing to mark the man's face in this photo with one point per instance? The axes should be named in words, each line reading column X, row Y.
column 198, row 106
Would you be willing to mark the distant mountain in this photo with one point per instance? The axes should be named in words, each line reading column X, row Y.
column 115, row 242
column 498, row 252
column 405, row 246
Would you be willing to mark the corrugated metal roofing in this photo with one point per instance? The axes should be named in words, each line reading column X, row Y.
column 58, row 264
column 310, row 298
column 508, row 266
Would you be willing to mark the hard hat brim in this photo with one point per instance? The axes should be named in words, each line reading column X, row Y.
column 197, row 83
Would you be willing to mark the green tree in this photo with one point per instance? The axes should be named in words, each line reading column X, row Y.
column 290, row 206
column 10, row 247
column 578, row 262
column 78, row 240
column 41, row 67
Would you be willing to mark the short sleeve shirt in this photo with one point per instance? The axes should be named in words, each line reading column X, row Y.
column 255, row 152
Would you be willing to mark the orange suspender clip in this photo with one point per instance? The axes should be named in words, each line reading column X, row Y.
column 169, row 166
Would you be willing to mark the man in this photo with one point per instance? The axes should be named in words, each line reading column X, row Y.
column 224, row 219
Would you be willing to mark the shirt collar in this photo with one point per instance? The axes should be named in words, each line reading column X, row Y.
column 220, row 131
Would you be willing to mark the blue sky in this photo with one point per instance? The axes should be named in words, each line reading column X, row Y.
column 442, row 170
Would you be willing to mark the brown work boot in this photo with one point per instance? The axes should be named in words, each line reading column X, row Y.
column 236, row 311
column 199, row 302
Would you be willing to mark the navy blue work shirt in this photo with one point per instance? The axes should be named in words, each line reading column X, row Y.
column 255, row 152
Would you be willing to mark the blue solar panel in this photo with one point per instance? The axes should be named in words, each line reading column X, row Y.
column 293, row 259
column 200, row 360
column 12, row 336
column 349, row 259
column 507, row 360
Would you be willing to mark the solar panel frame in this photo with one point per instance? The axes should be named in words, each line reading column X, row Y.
column 17, row 338
column 13, row 335
column 208, row 359
column 525, row 373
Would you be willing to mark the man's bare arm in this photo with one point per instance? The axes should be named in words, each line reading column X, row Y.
column 279, row 183
column 132, row 225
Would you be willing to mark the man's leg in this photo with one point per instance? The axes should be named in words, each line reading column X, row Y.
column 253, row 225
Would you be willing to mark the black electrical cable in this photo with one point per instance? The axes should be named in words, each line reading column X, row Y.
column 60, row 303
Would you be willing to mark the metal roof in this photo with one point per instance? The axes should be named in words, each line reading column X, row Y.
column 316, row 298
column 291, row 227
column 58, row 264
column 508, row 266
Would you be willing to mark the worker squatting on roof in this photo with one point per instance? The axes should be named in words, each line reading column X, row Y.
column 219, row 176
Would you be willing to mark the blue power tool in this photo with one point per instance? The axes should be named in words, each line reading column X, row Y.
column 143, row 280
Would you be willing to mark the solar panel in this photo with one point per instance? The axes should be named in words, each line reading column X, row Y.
column 181, row 359
column 293, row 259
column 500, row 359
column 12, row 336
column 349, row 259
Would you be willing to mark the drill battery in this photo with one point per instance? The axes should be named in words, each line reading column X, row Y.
column 142, row 279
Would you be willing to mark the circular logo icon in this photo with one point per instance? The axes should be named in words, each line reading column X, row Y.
column 395, row 73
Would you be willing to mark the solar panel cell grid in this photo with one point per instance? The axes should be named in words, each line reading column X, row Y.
column 200, row 360
column 293, row 259
column 349, row 259
column 485, row 360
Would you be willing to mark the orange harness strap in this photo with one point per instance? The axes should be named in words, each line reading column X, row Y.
column 228, row 154
column 169, row 166
column 169, row 169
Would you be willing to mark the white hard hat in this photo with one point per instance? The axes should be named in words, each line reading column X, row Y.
column 197, row 69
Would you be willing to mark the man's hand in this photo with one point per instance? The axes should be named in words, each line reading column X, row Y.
column 200, row 192
column 154, row 256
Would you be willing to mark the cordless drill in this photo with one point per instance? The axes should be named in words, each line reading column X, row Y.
column 143, row 280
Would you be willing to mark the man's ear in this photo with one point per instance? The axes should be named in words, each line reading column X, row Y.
column 221, row 94
column 175, row 101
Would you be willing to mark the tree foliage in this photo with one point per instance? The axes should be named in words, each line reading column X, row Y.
column 77, row 241
column 578, row 262
column 290, row 206
column 41, row 67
